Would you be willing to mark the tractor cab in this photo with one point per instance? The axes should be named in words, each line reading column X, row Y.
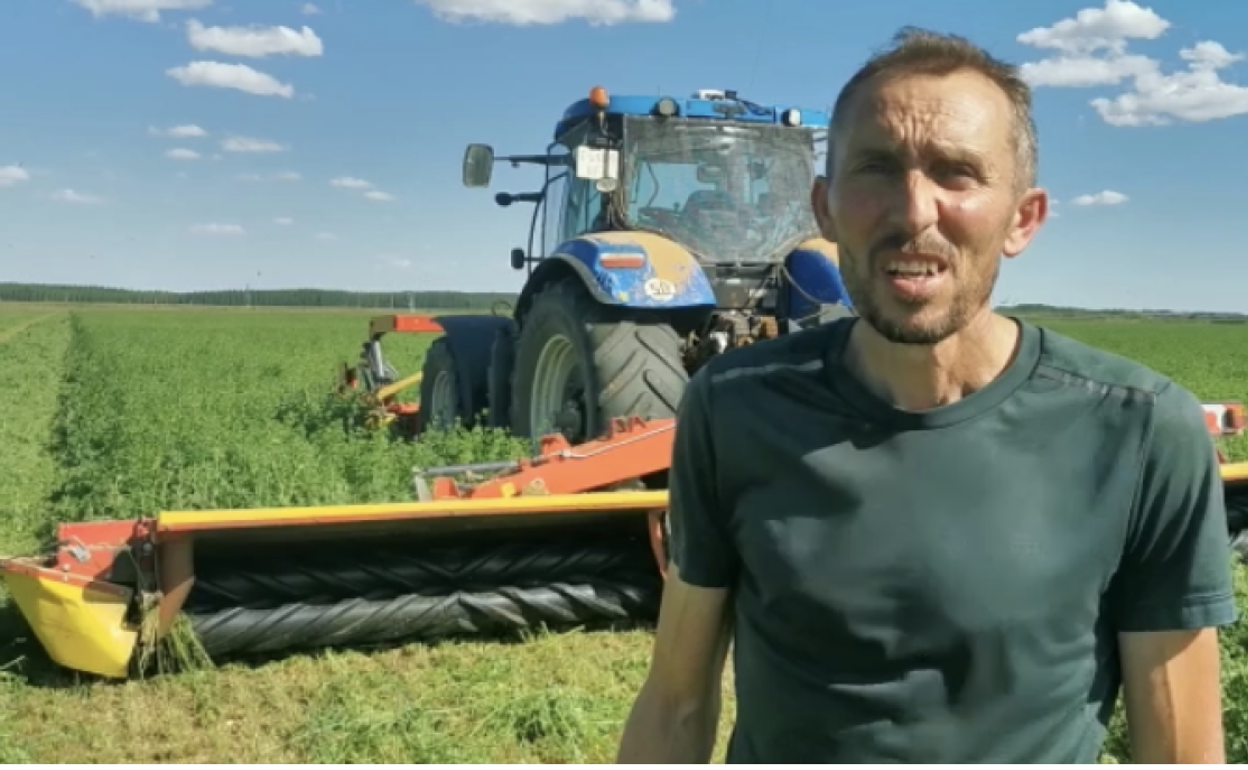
column 726, row 179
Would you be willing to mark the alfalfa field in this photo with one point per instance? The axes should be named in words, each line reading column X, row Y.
column 120, row 413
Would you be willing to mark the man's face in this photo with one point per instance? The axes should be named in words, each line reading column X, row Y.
column 923, row 200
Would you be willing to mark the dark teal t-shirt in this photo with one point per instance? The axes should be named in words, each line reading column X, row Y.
column 945, row 585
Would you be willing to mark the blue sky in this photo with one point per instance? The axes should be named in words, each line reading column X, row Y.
column 337, row 162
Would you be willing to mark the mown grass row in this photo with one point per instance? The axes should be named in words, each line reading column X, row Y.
column 32, row 352
column 32, row 358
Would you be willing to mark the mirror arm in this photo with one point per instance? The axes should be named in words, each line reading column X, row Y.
column 537, row 160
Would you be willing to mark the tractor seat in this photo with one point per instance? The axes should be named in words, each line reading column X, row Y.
column 709, row 211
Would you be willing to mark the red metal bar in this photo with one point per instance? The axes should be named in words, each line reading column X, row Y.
column 91, row 549
column 632, row 448
column 403, row 324
column 1225, row 418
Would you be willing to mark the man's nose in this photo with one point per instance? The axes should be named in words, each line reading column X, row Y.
column 914, row 208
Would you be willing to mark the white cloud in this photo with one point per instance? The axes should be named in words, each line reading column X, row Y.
column 248, row 144
column 179, row 132
column 1208, row 55
column 355, row 183
column 142, row 10
column 1196, row 95
column 72, row 196
column 254, row 41
column 526, row 12
column 215, row 74
column 309, row 9
column 283, row 221
column 1103, row 198
column 181, row 153
column 217, row 229
column 1095, row 29
column 325, row 236
column 285, row 176
column 1084, row 71
column 1092, row 51
column 12, row 175
column 400, row 262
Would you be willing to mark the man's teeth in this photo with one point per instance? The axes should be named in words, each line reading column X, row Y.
column 913, row 268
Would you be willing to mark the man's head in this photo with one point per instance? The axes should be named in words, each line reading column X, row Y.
column 930, row 179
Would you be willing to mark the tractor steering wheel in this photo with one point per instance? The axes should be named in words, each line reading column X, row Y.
column 665, row 218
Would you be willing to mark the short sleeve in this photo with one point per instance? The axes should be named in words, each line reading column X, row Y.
column 1176, row 571
column 701, row 545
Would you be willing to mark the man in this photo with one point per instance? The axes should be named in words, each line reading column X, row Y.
column 934, row 533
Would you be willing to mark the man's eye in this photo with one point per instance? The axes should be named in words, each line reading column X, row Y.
column 956, row 171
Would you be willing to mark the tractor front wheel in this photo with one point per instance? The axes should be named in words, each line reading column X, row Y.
column 441, row 406
column 580, row 364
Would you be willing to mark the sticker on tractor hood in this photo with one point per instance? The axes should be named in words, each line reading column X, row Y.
column 660, row 290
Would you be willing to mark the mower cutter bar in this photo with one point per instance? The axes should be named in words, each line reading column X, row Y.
column 526, row 548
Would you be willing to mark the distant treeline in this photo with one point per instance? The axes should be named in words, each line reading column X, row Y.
column 438, row 300
column 1119, row 314
column 399, row 300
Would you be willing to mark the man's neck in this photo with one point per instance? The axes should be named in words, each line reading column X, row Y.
column 920, row 377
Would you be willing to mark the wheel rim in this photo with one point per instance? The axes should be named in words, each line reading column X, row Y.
column 557, row 402
column 443, row 407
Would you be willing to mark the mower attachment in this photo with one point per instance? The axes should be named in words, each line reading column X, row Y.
column 547, row 542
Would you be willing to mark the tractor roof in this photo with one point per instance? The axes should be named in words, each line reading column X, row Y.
column 710, row 105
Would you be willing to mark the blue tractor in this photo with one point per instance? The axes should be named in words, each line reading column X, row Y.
column 666, row 231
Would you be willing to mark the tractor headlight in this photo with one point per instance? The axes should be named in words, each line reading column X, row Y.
column 791, row 118
column 667, row 107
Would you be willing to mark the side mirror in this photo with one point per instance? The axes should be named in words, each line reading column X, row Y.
column 478, row 165
column 517, row 259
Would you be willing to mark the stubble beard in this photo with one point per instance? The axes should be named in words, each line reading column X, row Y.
column 968, row 300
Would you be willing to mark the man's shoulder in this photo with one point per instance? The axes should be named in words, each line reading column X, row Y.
column 801, row 353
column 1102, row 373
column 1172, row 413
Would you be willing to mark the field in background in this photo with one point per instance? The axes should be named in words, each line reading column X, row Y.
column 121, row 412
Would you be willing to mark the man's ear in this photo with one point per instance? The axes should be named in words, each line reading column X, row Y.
column 1032, row 212
column 819, row 203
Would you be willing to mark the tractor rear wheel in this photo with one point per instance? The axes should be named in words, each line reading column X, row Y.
column 579, row 364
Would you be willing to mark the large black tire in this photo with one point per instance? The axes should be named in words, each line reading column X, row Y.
column 442, row 404
column 502, row 359
column 1237, row 521
column 625, row 364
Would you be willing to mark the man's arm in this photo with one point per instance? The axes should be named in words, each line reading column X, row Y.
column 676, row 714
column 1173, row 697
column 1173, row 589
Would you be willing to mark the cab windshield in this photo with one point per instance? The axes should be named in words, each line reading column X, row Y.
column 731, row 194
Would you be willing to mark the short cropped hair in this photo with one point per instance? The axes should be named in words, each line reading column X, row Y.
column 922, row 52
